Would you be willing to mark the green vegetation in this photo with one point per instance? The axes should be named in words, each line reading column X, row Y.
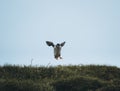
column 60, row 78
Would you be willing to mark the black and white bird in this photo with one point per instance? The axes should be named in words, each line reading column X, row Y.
column 57, row 49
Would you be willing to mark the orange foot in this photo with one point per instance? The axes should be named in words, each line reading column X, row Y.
column 60, row 57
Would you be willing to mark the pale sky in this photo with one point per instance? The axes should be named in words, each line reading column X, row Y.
column 91, row 29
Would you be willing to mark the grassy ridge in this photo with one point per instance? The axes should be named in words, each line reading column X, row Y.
column 60, row 78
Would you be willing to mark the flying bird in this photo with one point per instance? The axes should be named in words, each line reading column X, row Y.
column 57, row 49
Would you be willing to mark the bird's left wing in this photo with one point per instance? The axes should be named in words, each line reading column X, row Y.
column 49, row 43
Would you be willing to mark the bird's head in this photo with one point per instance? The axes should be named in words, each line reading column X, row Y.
column 58, row 45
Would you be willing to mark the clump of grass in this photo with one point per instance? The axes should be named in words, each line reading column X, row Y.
column 59, row 78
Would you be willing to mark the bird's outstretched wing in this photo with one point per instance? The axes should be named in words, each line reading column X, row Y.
column 49, row 43
column 62, row 44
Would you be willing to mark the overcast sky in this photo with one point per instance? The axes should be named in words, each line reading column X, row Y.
column 91, row 29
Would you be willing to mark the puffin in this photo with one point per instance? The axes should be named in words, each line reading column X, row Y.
column 57, row 49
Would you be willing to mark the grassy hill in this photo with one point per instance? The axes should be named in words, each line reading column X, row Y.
column 60, row 78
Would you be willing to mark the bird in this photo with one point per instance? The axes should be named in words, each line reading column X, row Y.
column 57, row 49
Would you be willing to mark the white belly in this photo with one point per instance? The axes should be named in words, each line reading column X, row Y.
column 57, row 50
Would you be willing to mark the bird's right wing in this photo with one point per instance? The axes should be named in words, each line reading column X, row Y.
column 62, row 44
column 49, row 43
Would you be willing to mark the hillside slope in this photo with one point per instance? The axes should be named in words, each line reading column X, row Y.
column 60, row 78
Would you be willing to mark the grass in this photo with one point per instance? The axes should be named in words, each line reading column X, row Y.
column 60, row 78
